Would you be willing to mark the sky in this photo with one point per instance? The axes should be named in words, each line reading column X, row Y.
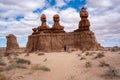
column 18, row 17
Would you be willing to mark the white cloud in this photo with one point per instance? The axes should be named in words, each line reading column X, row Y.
column 49, row 13
column 13, row 8
column 104, row 18
column 60, row 3
column 69, row 17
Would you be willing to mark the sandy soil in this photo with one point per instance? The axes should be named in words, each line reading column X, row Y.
column 66, row 66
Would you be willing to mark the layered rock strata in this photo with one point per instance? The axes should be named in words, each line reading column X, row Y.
column 48, row 39
column 12, row 44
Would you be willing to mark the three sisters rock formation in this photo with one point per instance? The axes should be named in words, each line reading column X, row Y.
column 49, row 39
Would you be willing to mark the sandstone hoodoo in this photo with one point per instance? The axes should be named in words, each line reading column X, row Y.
column 49, row 39
column 84, row 24
column 56, row 26
column 11, row 43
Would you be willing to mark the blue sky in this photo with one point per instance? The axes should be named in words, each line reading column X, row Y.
column 19, row 18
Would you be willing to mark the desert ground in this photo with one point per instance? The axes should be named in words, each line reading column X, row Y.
column 75, row 65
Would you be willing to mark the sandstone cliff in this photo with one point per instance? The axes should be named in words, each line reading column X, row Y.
column 55, row 38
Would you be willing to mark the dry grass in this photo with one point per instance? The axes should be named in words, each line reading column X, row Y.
column 78, row 55
column 44, row 68
column 14, row 66
column 82, row 58
column 99, row 55
column 87, row 53
column 39, row 67
column 112, row 72
column 41, row 53
column 45, row 60
column 19, row 63
column 103, row 64
column 2, row 63
column 88, row 64
column 23, row 61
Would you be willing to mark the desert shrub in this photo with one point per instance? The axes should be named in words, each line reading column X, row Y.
column 2, row 77
column 111, row 73
column 41, row 53
column 88, row 64
column 2, row 63
column 78, row 54
column 44, row 68
column 87, row 53
column 83, row 51
column 99, row 55
column 45, row 60
column 15, row 65
column 39, row 67
column 82, row 58
column 21, row 66
column 10, row 67
column 23, row 61
column 103, row 63
column 16, row 53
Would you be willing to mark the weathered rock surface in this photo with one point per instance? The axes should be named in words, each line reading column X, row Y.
column 12, row 44
column 84, row 24
column 55, row 38
column 57, row 28
column 48, row 42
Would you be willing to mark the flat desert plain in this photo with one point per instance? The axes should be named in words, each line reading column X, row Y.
column 76, row 65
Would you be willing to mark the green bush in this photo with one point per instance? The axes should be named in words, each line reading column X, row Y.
column 14, row 65
column 23, row 61
column 2, row 63
column 44, row 68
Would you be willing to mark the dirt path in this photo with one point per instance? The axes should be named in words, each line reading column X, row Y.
column 62, row 66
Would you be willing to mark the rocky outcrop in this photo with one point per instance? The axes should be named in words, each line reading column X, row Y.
column 55, row 38
column 85, row 40
column 84, row 24
column 57, row 28
column 12, row 44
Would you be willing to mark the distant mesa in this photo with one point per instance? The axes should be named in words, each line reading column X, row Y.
column 49, row 39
